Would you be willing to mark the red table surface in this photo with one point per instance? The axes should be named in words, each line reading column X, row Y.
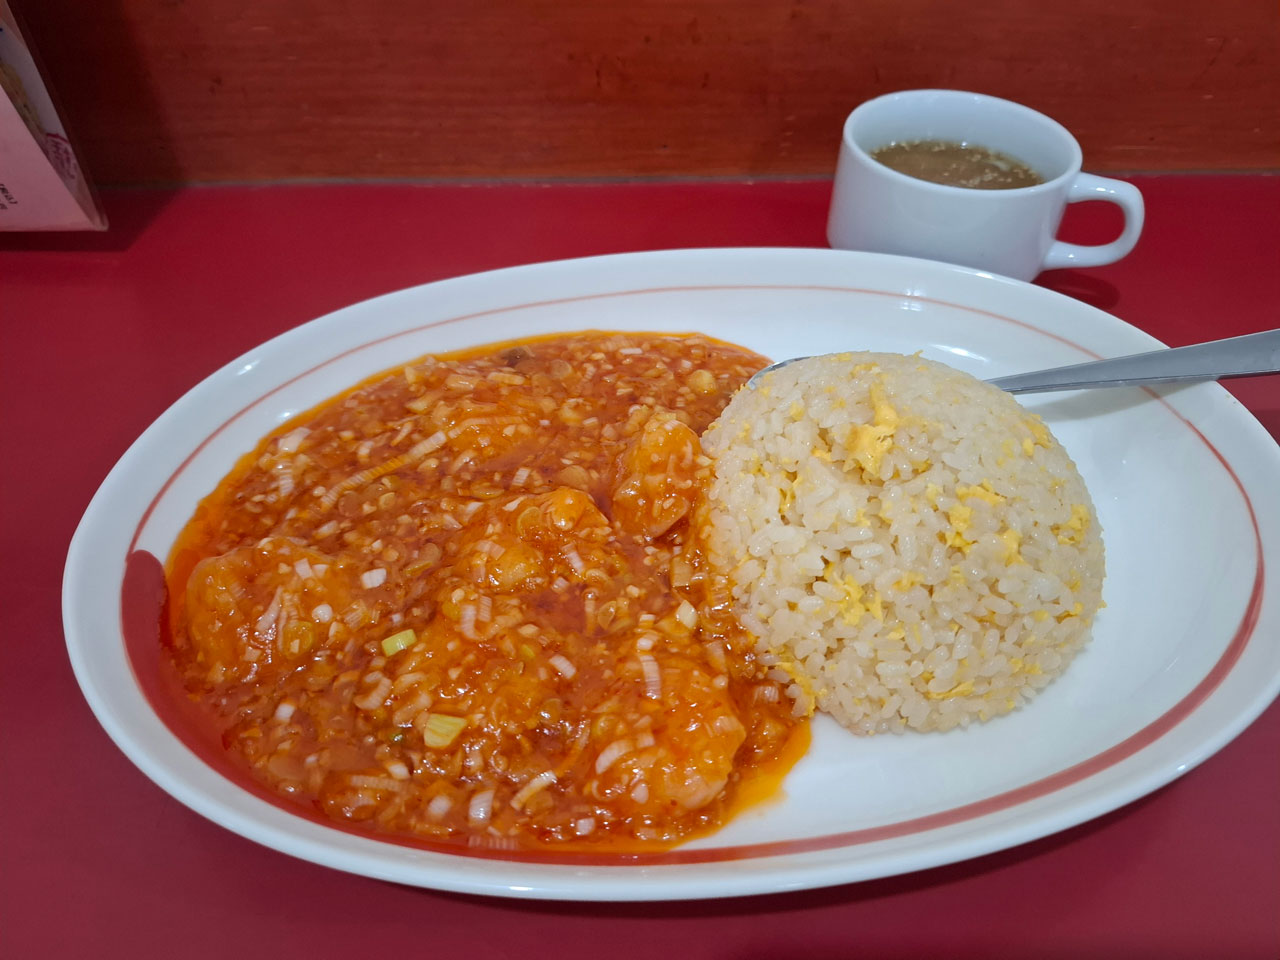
column 101, row 333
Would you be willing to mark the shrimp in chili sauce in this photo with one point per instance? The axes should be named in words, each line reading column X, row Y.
column 465, row 603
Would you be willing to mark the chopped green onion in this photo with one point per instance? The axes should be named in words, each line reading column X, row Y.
column 440, row 729
column 399, row 641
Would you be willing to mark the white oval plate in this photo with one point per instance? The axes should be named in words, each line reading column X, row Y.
column 1184, row 483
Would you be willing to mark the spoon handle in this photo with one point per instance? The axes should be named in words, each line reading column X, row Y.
column 1250, row 355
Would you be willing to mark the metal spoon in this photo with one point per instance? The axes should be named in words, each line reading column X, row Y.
column 1247, row 356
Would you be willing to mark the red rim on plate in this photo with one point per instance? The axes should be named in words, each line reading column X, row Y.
column 142, row 595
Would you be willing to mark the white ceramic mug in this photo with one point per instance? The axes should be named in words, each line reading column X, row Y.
column 1010, row 232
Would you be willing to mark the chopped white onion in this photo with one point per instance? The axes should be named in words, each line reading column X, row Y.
column 375, row 697
column 686, row 614
column 364, row 782
column 652, row 676
column 563, row 666
column 538, row 783
column 575, row 561
column 373, row 578
column 726, row 723
column 355, row 615
column 423, row 447
column 467, row 621
column 766, row 693
column 612, row 753
column 269, row 615
column 292, row 440
column 480, row 807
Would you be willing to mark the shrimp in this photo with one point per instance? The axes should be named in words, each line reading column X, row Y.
column 560, row 533
column 657, row 477
column 675, row 751
column 262, row 604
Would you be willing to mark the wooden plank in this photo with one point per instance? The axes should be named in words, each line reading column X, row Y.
column 219, row 90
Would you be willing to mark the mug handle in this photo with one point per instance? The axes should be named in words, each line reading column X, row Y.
column 1126, row 196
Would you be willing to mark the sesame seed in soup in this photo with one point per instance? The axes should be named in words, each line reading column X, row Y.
column 957, row 165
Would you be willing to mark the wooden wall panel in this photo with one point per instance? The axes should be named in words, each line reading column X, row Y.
column 233, row 90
